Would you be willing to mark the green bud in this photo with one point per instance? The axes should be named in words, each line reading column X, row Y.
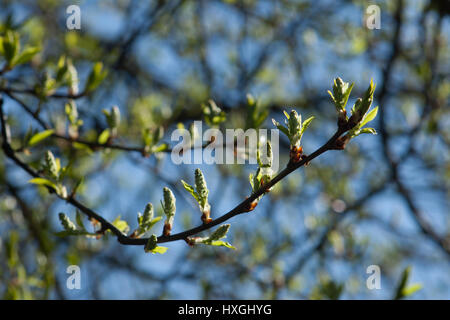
column 219, row 233
column 294, row 127
column 66, row 223
column 169, row 203
column 72, row 112
column 72, row 78
column 340, row 95
column 363, row 104
column 250, row 100
column 50, row 165
column 147, row 217
column 151, row 243
column 367, row 99
column 201, row 187
column 115, row 117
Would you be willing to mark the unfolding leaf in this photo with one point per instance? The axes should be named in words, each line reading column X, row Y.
column 43, row 182
column 221, row 243
column 26, row 55
column 121, row 225
column 369, row 117
column 104, row 136
column 39, row 137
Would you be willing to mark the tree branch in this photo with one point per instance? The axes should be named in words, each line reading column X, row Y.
column 243, row 207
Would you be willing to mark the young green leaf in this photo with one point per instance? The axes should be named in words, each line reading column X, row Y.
column 95, row 77
column 369, row 117
column 190, row 189
column 104, row 136
column 26, row 55
column 152, row 246
column 39, row 137
column 219, row 233
column 403, row 290
column 43, row 182
column 122, row 225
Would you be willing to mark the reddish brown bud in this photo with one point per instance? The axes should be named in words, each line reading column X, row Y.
column 251, row 206
column 206, row 218
column 167, row 229
column 295, row 154
column 340, row 143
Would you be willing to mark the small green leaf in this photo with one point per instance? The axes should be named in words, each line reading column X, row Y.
column 411, row 289
column 43, row 182
column 219, row 233
column 26, row 55
column 250, row 178
column 10, row 46
column 190, row 189
column 306, row 124
column 161, row 148
column 153, row 222
column 40, row 136
column 104, row 136
column 221, row 243
column 403, row 290
column 369, row 117
column 79, row 220
column 152, row 246
column 159, row 249
column 280, row 127
column 95, row 77
column 368, row 130
column 121, row 225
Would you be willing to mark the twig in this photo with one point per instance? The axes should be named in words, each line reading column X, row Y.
column 241, row 208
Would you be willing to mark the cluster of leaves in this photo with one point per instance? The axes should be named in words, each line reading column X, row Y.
column 113, row 120
column 54, row 175
column 70, row 229
column 359, row 112
column 214, row 116
column 67, row 75
column 147, row 220
column 294, row 130
column 11, row 51
column 151, row 138
column 200, row 193
column 214, row 239
column 264, row 172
